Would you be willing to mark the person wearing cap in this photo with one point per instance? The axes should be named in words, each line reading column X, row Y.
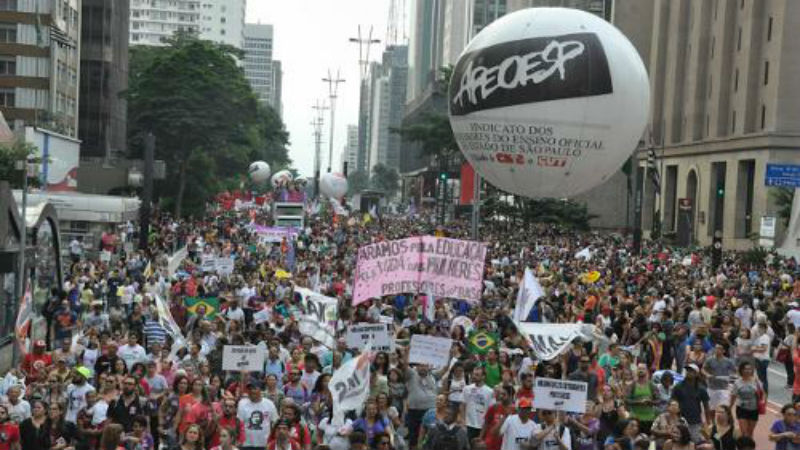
column 76, row 393
column 258, row 415
column 693, row 399
column 518, row 429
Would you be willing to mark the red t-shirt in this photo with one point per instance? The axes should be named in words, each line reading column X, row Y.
column 233, row 424
column 28, row 366
column 9, row 434
column 494, row 415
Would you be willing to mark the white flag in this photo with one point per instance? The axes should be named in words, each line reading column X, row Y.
column 349, row 386
column 552, row 339
column 530, row 290
column 319, row 317
column 584, row 254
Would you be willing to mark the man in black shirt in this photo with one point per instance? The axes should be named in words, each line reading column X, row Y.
column 691, row 396
column 106, row 361
column 127, row 406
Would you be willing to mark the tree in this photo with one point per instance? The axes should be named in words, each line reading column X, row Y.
column 10, row 154
column 385, row 179
column 194, row 98
column 357, row 181
column 783, row 197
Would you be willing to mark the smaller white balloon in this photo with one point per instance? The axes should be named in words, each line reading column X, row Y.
column 333, row 185
column 282, row 177
column 259, row 171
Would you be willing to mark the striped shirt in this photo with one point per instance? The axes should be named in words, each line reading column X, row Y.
column 154, row 332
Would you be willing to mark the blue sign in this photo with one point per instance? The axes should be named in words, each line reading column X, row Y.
column 783, row 175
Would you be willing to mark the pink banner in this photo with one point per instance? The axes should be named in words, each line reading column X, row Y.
column 443, row 267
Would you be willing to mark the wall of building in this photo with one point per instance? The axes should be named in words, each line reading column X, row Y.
column 152, row 21
column 223, row 21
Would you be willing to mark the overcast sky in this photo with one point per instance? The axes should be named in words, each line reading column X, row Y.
column 310, row 37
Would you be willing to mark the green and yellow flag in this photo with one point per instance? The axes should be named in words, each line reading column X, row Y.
column 211, row 304
column 480, row 342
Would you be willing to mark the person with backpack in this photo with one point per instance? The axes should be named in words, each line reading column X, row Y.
column 448, row 434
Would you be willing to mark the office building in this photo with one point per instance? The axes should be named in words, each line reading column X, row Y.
column 602, row 8
column 724, row 104
column 277, row 80
column 103, row 78
column 153, row 21
column 259, row 67
column 39, row 64
column 389, row 82
column 350, row 150
column 222, row 21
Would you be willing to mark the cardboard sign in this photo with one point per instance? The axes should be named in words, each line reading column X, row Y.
column 430, row 350
column 224, row 266
column 243, row 358
column 442, row 267
column 360, row 334
column 560, row 395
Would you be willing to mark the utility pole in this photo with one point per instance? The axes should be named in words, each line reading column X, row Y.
column 317, row 123
column 333, row 87
column 364, row 44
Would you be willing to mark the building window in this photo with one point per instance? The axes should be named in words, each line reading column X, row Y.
column 739, row 40
column 766, row 72
column 7, row 97
column 8, row 32
column 8, row 5
column 769, row 29
column 221, row 20
column 763, row 116
column 8, row 66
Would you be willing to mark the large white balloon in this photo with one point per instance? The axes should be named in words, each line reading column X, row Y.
column 281, row 177
column 259, row 171
column 549, row 102
column 333, row 185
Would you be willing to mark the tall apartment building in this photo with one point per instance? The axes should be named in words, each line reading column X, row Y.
column 103, row 77
column 277, row 90
column 388, row 81
column 602, row 8
column 350, row 150
column 259, row 67
column 39, row 64
column 724, row 103
column 152, row 21
column 223, row 21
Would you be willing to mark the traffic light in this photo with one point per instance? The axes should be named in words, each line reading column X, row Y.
column 443, row 176
column 720, row 192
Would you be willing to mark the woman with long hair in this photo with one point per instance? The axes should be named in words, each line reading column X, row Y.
column 111, row 439
column 226, row 438
column 744, row 395
column 665, row 427
column 381, row 363
column 625, row 433
column 370, row 422
column 33, row 431
column 192, row 438
column 168, row 411
column 610, row 410
column 273, row 391
column 722, row 434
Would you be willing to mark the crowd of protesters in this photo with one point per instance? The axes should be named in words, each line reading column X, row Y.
column 678, row 360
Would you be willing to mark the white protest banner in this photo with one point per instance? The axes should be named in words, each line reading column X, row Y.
column 585, row 254
column 560, row 395
column 208, row 265
column 360, row 334
column 529, row 292
column 261, row 316
column 275, row 234
column 551, row 339
column 224, row 266
column 243, row 358
column 319, row 317
column 349, row 386
column 442, row 267
column 430, row 350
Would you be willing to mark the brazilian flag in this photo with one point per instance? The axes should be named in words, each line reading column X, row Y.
column 480, row 342
column 211, row 304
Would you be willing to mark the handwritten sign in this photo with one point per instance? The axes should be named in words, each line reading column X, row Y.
column 430, row 350
column 560, row 395
column 448, row 268
column 360, row 334
column 243, row 358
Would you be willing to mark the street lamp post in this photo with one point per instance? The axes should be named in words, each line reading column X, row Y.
column 364, row 44
column 333, row 87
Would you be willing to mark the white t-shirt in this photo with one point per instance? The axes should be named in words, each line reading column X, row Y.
column 794, row 316
column 76, row 400
column 18, row 412
column 477, row 399
column 258, row 419
column 99, row 412
column 550, row 442
column 332, row 438
column 765, row 340
column 515, row 433
column 132, row 354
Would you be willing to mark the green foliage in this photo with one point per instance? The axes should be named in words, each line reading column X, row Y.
column 755, row 258
column 385, row 179
column 10, row 154
column 783, row 198
column 357, row 181
column 517, row 209
column 194, row 98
